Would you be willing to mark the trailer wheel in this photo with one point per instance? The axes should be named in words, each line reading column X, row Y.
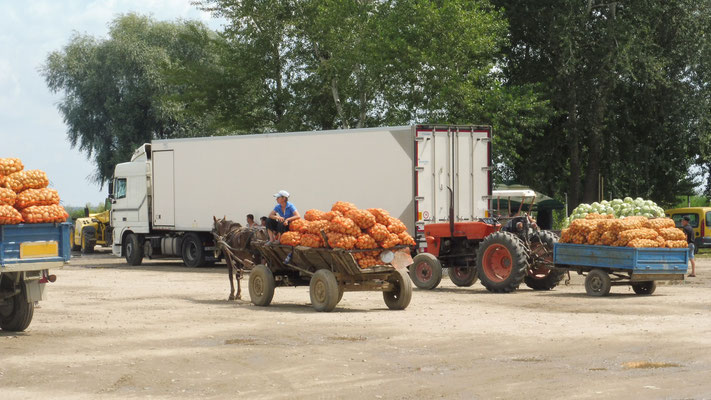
column 540, row 275
column 324, row 290
column 193, row 251
column 399, row 298
column 644, row 288
column 133, row 250
column 17, row 312
column 597, row 283
column 462, row 276
column 501, row 262
column 261, row 286
column 426, row 271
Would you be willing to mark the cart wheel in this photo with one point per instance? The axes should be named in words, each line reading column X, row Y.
column 17, row 312
column 644, row 288
column 399, row 298
column 261, row 285
column 597, row 283
column 426, row 271
column 462, row 276
column 324, row 290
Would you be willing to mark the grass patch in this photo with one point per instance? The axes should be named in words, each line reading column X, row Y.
column 648, row 365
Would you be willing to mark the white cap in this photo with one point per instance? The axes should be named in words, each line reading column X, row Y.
column 281, row 193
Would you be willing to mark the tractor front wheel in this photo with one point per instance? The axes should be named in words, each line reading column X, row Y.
column 426, row 271
column 501, row 262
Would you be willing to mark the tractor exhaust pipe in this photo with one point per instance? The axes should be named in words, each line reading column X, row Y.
column 451, row 212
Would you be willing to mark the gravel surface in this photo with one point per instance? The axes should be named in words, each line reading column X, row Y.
column 162, row 330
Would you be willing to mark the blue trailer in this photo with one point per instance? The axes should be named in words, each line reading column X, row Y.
column 27, row 252
column 607, row 266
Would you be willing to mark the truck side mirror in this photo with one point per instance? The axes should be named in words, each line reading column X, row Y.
column 111, row 189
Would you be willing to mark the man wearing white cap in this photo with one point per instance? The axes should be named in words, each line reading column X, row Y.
column 281, row 215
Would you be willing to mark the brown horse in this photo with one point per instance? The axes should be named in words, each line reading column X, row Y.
column 236, row 243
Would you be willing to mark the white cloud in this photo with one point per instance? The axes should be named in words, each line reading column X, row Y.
column 31, row 128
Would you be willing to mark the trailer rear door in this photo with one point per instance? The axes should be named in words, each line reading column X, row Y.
column 456, row 157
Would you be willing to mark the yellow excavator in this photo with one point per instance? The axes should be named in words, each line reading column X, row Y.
column 91, row 230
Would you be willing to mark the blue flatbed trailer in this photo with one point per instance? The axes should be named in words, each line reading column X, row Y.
column 27, row 252
column 607, row 266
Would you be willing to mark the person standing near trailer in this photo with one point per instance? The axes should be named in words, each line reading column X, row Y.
column 689, row 231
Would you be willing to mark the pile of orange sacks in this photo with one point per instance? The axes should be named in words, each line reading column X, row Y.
column 24, row 196
column 348, row 227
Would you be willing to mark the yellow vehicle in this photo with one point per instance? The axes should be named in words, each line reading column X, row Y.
column 89, row 231
column 699, row 219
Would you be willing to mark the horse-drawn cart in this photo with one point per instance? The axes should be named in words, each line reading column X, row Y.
column 329, row 273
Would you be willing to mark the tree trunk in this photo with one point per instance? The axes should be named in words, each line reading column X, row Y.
column 574, row 146
column 339, row 106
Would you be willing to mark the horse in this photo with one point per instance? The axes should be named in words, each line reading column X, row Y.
column 236, row 243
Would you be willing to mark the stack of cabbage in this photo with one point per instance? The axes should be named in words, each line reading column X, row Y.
column 619, row 208
column 637, row 231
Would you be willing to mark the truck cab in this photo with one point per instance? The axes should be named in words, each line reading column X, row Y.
column 130, row 199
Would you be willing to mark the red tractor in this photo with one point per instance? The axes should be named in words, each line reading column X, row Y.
column 501, row 252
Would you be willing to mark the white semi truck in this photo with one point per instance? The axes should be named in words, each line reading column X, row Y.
column 165, row 198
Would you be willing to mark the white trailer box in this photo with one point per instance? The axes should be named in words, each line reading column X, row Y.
column 173, row 188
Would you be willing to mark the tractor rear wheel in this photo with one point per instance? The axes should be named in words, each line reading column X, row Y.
column 501, row 262
column 541, row 275
column 462, row 276
column 426, row 271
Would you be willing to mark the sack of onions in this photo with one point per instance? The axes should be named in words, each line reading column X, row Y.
column 363, row 218
column 30, row 179
column 365, row 242
column 313, row 215
column 9, row 216
column 379, row 232
column 37, row 197
column 299, row 225
column 396, row 226
column 381, row 216
column 44, row 214
column 290, row 238
column 343, row 207
column 7, row 197
column 310, row 240
column 10, row 166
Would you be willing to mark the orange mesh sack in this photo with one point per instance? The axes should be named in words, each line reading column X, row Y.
column 7, row 197
column 642, row 233
column 672, row 234
column 381, row 216
column 30, row 179
column 642, row 243
column 315, row 227
column 677, row 244
column 391, row 241
column 43, row 214
column 365, row 241
column 9, row 216
column 343, row 207
column 313, row 215
column 363, row 218
column 608, row 238
column 379, row 232
column 310, row 240
column 299, row 225
column 340, row 240
column 290, row 238
column 661, row 223
column 396, row 226
column 599, row 216
column 368, row 261
column 406, row 239
column 343, row 225
column 37, row 197
column 10, row 166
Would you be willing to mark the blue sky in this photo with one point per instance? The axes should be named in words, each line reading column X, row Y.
column 31, row 128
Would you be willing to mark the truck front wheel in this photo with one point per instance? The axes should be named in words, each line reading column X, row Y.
column 193, row 251
column 133, row 249
column 426, row 271
column 16, row 314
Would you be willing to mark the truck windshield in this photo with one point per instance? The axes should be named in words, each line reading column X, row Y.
column 120, row 188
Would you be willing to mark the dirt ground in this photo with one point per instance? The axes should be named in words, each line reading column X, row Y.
column 162, row 330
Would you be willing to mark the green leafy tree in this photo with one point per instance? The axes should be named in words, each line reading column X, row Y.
column 116, row 94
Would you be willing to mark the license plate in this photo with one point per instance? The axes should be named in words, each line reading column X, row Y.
column 39, row 249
